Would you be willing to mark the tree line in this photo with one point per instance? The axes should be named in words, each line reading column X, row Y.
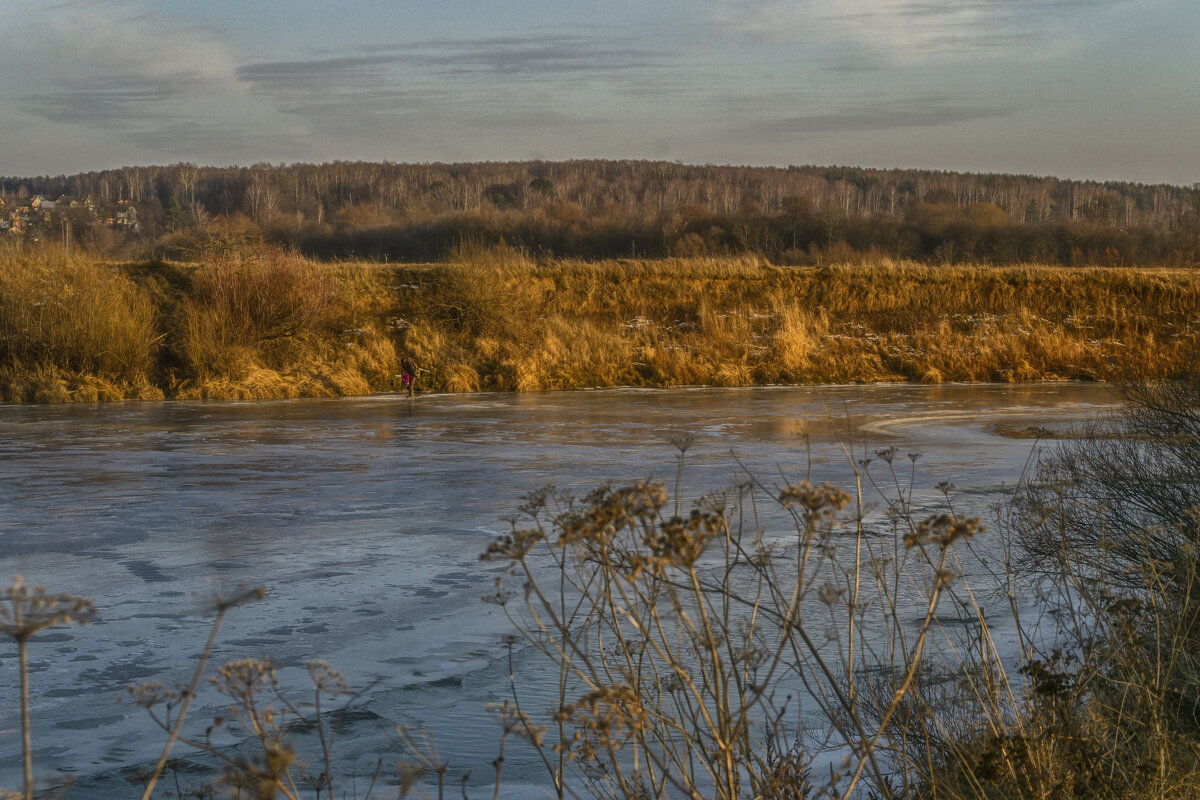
column 594, row 209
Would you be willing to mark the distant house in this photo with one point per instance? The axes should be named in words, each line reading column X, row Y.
column 126, row 218
column 42, row 203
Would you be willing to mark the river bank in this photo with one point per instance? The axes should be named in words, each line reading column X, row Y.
column 252, row 322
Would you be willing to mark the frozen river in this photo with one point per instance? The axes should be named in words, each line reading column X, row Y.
column 365, row 519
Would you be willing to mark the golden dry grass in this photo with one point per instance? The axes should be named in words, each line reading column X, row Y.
column 261, row 323
column 526, row 325
column 73, row 329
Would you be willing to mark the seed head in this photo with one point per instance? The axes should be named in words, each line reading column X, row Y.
column 25, row 611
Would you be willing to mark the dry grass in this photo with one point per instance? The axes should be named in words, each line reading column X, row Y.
column 524, row 325
column 275, row 325
column 248, row 321
column 72, row 330
column 243, row 323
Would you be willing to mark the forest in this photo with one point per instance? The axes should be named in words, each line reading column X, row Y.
column 798, row 215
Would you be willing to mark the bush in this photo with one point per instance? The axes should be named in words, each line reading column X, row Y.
column 1109, row 532
column 74, row 320
column 256, row 309
column 1122, row 494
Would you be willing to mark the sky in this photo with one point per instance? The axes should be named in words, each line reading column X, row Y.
column 1087, row 89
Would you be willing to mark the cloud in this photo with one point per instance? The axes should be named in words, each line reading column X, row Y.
column 875, row 117
column 109, row 63
column 498, row 81
column 544, row 59
column 917, row 30
column 97, row 104
column 538, row 57
column 318, row 73
column 364, row 108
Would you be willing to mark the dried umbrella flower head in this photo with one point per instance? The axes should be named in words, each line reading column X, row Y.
column 223, row 598
column 26, row 611
column 682, row 441
column 610, row 711
column 515, row 545
column 813, row 499
column 245, row 678
column 513, row 720
column 678, row 542
column 327, row 680
column 611, row 510
column 942, row 530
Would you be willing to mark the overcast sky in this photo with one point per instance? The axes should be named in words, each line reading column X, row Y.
column 1104, row 89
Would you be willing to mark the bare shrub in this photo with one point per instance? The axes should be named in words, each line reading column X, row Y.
column 1124, row 492
column 1109, row 531
column 480, row 291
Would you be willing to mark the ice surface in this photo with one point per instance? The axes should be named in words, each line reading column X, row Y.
column 365, row 518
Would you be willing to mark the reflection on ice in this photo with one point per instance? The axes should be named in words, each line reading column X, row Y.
column 366, row 517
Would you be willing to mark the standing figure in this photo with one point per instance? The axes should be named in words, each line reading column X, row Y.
column 408, row 378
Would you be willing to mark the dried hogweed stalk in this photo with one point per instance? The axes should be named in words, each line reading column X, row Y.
column 24, row 612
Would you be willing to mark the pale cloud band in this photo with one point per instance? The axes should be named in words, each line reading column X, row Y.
column 109, row 63
column 920, row 30
column 991, row 84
